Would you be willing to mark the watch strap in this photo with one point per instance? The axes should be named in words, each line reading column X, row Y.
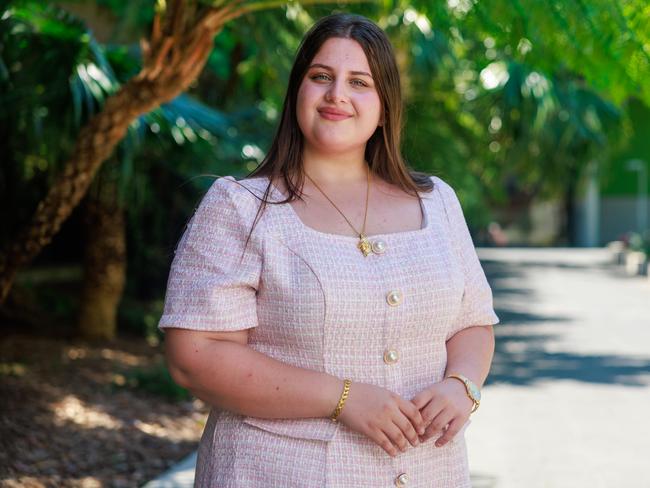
column 466, row 382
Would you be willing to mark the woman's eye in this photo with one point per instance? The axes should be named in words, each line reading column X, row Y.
column 325, row 77
column 320, row 76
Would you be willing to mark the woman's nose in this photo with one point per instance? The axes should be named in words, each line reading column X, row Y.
column 336, row 91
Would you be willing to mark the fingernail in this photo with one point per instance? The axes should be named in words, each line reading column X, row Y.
column 421, row 430
column 439, row 444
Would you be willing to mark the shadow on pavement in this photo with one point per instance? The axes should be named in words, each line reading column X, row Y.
column 521, row 356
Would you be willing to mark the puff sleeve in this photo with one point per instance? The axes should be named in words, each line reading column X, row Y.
column 476, row 306
column 213, row 282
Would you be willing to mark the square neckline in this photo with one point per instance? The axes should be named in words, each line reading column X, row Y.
column 295, row 217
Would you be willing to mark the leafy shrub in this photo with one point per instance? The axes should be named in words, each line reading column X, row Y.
column 155, row 380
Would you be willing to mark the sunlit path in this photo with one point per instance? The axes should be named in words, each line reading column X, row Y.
column 567, row 400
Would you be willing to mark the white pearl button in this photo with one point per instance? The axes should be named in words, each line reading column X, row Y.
column 378, row 246
column 402, row 480
column 394, row 298
column 391, row 356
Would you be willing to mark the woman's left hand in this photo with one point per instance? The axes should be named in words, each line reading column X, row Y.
column 444, row 403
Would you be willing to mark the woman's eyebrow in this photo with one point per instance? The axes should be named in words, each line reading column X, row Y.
column 319, row 65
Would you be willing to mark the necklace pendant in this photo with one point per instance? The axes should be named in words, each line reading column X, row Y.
column 364, row 245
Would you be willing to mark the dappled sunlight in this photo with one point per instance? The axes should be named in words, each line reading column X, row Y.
column 72, row 409
column 559, row 320
column 54, row 480
column 570, row 376
column 168, row 428
column 115, row 356
column 64, row 404
column 120, row 115
column 121, row 357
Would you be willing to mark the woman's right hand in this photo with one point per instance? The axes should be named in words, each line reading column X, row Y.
column 383, row 416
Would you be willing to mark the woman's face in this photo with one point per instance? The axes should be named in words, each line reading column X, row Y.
column 338, row 107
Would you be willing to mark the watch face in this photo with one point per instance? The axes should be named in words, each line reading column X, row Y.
column 476, row 393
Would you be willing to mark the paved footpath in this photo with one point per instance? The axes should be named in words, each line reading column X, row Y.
column 567, row 403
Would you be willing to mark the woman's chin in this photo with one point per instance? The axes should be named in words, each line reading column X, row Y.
column 336, row 143
column 334, row 147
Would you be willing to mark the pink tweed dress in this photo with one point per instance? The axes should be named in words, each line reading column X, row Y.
column 311, row 299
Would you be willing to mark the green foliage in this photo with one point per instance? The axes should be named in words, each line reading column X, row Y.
column 605, row 42
column 132, row 16
column 491, row 104
column 41, row 111
column 639, row 242
column 503, row 99
column 13, row 369
column 141, row 318
column 41, row 108
column 155, row 380
column 49, row 302
column 616, row 178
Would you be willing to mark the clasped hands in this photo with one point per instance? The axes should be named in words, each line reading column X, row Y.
column 393, row 422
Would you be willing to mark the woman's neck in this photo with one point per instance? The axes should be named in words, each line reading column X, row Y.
column 336, row 168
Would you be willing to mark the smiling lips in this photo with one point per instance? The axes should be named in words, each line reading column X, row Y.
column 333, row 114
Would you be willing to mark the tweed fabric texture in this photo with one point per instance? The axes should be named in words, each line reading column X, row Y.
column 312, row 300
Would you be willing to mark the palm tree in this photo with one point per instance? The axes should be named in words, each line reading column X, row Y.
column 175, row 53
column 48, row 33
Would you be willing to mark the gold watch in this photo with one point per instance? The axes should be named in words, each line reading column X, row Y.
column 473, row 391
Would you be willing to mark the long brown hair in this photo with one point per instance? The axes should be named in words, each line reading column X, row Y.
column 383, row 154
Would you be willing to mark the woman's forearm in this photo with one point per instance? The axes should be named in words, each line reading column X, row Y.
column 237, row 378
column 470, row 353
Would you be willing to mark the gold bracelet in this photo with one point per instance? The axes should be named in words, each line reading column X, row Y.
column 344, row 396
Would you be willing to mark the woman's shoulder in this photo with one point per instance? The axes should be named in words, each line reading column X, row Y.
column 239, row 195
column 440, row 185
column 449, row 199
column 231, row 206
column 440, row 182
column 446, row 195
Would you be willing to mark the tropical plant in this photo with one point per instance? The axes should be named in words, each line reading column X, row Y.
column 500, row 100
column 173, row 56
column 48, row 32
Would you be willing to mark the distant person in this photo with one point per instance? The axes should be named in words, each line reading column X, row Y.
column 496, row 234
column 340, row 334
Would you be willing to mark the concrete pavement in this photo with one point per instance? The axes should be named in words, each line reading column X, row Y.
column 181, row 475
column 567, row 402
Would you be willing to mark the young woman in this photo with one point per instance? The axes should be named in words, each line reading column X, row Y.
column 331, row 307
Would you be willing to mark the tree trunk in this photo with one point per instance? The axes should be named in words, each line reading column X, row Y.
column 178, row 48
column 176, row 53
column 104, row 261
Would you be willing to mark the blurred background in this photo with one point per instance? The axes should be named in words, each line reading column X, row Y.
column 537, row 113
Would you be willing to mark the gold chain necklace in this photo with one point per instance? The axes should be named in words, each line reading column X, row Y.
column 363, row 244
